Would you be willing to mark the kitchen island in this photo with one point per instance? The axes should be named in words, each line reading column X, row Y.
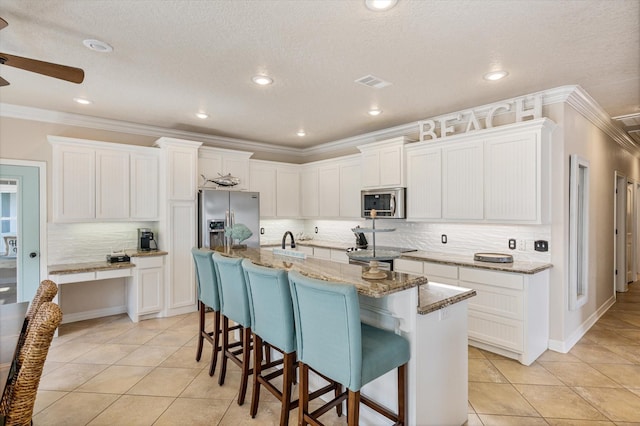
column 433, row 317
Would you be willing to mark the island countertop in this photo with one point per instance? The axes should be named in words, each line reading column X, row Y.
column 432, row 297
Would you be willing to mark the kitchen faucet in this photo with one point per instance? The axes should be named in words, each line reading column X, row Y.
column 284, row 239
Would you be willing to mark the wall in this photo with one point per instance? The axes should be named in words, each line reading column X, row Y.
column 580, row 136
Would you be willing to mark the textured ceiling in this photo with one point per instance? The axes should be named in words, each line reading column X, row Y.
column 172, row 58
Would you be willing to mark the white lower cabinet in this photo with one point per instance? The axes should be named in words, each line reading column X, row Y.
column 510, row 313
column 145, row 287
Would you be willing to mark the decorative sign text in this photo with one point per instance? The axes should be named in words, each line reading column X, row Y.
column 442, row 127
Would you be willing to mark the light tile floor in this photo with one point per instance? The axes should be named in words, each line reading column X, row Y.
column 110, row 371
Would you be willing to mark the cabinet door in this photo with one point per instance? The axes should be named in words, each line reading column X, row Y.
column 329, row 191
column 150, row 286
column 371, row 169
column 309, row 192
column 350, row 186
column 391, row 166
column 263, row 180
column 144, row 186
column 424, row 184
column 182, row 237
column 512, row 191
column 181, row 173
column 288, row 193
column 112, row 184
column 209, row 165
column 74, row 183
column 463, row 181
column 237, row 167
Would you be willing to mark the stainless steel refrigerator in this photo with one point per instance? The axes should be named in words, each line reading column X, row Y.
column 219, row 209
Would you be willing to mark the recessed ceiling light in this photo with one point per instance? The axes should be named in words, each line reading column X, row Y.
column 98, row 46
column 375, row 111
column 262, row 80
column 380, row 5
column 495, row 75
column 301, row 133
column 82, row 101
column 202, row 115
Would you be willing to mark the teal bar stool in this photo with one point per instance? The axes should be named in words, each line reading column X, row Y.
column 207, row 298
column 332, row 341
column 234, row 304
column 272, row 321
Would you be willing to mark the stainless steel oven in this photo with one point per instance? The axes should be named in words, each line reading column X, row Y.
column 389, row 203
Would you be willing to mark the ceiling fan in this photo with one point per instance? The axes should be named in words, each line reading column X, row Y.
column 62, row 72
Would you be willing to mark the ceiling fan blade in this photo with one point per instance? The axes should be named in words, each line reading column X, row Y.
column 63, row 72
column 3, row 82
column 3, row 23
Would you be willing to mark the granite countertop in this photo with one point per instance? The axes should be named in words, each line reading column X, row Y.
column 467, row 261
column 77, row 268
column 437, row 296
column 331, row 271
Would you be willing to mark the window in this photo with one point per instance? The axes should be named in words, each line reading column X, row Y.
column 578, row 232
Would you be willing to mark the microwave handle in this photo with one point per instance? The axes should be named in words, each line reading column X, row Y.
column 392, row 205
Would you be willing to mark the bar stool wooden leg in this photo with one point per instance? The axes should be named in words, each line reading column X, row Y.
column 201, row 307
column 216, row 342
column 303, row 404
column 353, row 409
column 402, row 385
column 225, row 349
column 287, row 382
column 257, row 370
column 246, row 358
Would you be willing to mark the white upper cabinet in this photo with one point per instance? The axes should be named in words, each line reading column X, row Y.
column 309, row 191
column 498, row 175
column 215, row 162
column 383, row 163
column 112, row 184
column 74, row 183
column 144, row 185
column 103, row 181
column 263, row 178
column 288, row 192
column 424, row 182
column 329, row 190
column 462, row 181
column 181, row 165
column 350, row 186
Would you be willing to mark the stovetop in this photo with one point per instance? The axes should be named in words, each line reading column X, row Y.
column 370, row 247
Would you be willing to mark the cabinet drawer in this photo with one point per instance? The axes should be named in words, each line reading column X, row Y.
column 339, row 256
column 500, row 279
column 497, row 301
column 495, row 330
column 148, row 261
column 440, row 270
column 408, row 266
column 73, row 278
column 113, row 273
column 322, row 253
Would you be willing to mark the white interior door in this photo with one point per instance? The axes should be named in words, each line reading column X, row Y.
column 620, row 207
column 629, row 233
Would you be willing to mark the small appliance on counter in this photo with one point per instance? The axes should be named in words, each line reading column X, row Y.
column 118, row 258
column 146, row 241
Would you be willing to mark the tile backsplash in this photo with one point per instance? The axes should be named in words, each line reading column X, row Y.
column 91, row 242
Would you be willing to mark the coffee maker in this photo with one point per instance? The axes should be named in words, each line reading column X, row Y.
column 146, row 242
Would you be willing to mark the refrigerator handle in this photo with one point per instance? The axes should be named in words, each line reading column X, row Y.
column 233, row 218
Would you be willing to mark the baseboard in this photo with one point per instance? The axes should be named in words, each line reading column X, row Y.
column 96, row 313
column 564, row 346
column 179, row 311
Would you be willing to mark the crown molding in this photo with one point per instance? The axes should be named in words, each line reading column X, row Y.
column 574, row 95
column 582, row 102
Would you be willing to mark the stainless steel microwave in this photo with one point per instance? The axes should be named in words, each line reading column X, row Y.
column 389, row 203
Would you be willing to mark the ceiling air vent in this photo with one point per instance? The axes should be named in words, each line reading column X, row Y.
column 373, row 81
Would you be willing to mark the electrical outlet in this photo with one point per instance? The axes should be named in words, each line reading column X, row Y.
column 315, row 229
column 261, row 231
column 443, row 238
column 541, row 245
column 522, row 245
column 512, row 243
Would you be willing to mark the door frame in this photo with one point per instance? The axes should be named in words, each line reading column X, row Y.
column 42, row 182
